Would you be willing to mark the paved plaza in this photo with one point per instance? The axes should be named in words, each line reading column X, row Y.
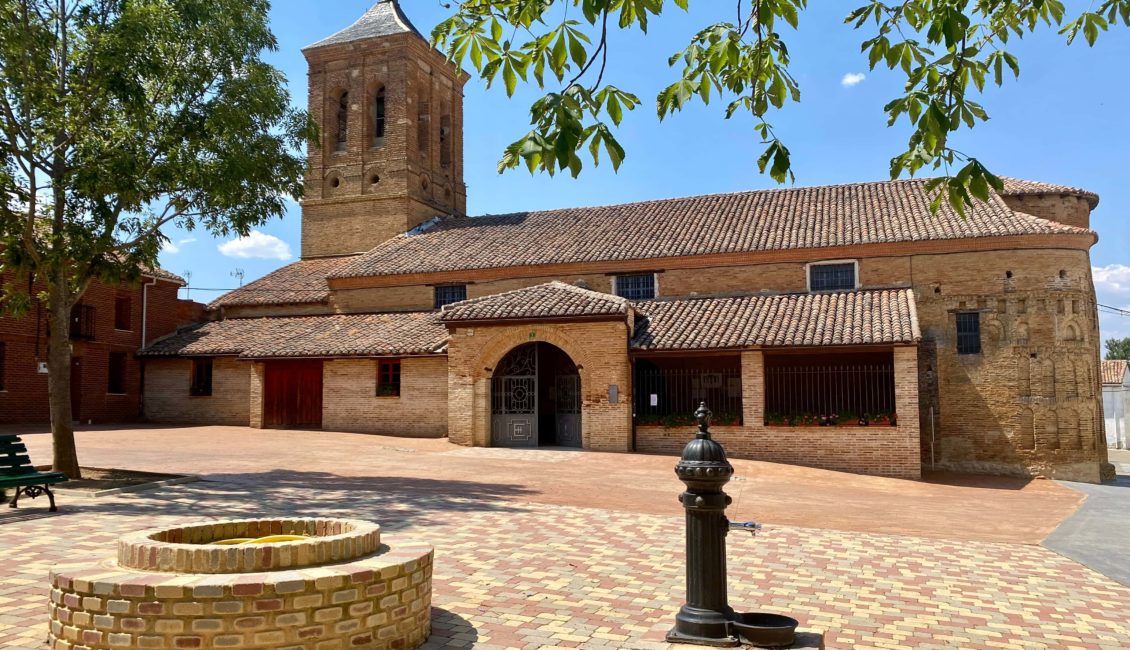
column 597, row 563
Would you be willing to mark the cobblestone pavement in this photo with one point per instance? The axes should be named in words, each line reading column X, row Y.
column 532, row 575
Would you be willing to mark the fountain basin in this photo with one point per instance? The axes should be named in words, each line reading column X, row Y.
column 175, row 588
column 765, row 630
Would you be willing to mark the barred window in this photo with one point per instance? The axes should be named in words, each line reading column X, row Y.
column 969, row 333
column 388, row 378
column 201, row 385
column 639, row 286
column 831, row 277
column 447, row 294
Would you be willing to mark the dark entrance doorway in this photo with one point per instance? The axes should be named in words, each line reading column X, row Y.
column 292, row 395
column 536, row 398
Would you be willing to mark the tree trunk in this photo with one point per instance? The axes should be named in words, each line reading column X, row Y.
column 59, row 377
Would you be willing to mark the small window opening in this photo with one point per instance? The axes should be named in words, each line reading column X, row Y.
column 201, row 385
column 832, row 277
column 450, row 293
column 116, row 382
column 638, row 286
column 445, row 139
column 388, row 378
column 335, row 182
column 374, row 179
column 123, row 312
column 1062, row 274
column 1008, row 274
column 380, row 108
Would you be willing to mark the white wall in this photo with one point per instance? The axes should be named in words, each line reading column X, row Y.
column 1116, row 406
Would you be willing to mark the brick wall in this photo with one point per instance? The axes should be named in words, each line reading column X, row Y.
column 599, row 349
column 25, row 396
column 350, row 401
column 167, row 397
column 880, row 451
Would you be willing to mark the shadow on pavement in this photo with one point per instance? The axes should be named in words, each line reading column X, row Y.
column 450, row 630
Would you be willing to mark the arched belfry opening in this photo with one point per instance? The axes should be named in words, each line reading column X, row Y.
column 536, row 398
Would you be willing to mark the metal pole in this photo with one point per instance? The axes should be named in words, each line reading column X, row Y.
column 705, row 618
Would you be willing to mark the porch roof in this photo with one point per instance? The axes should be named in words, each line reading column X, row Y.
column 1114, row 372
column 339, row 335
column 547, row 301
column 849, row 318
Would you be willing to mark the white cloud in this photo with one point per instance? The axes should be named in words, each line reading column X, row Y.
column 852, row 79
column 174, row 248
column 1112, row 280
column 257, row 245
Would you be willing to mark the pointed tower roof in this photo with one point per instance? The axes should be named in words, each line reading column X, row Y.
column 384, row 19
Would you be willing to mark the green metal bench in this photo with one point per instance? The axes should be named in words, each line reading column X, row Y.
column 16, row 471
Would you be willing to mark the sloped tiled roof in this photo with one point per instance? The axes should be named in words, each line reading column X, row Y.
column 161, row 274
column 301, row 283
column 308, row 336
column 384, row 19
column 1019, row 187
column 765, row 220
column 544, row 301
column 850, row 318
column 1114, row 372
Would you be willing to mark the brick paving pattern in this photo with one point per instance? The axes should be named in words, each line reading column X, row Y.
column 521, row 575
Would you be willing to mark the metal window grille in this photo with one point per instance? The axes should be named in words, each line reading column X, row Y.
column 116, row 382
column 669, row 396
column 832, row 277
column 969, row 333
column 640, row 286
column 201, row 378
column 804, row 393
column 447, row 295
column 82, row 322
column 388, row 378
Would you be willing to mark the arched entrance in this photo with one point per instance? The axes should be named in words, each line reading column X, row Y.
column 536, row 398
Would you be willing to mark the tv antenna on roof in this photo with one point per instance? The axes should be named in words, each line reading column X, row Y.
column 238, row 274
column 187, row 284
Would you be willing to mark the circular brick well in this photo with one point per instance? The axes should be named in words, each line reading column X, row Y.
column 176, row 588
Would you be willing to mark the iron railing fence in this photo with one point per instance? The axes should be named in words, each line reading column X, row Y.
column 669, row 397
column 849, row 392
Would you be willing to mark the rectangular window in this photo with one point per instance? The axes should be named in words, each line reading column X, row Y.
column 969, row 333
column 448, row 294
column 388, row 378
column 201, row 378
column 638, row 286
column 82, row 322
column 116, row 383
column 3, row 364
column 123, row 313
column 831, row 277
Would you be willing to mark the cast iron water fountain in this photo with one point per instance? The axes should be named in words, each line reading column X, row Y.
column 707, row 618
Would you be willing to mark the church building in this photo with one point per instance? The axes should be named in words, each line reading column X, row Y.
column 844, row 327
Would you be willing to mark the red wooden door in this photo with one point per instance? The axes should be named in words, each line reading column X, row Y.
column 292, row 395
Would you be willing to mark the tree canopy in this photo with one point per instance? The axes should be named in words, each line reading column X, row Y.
column 1118, row 349
column 948, row 51
column 117, row 119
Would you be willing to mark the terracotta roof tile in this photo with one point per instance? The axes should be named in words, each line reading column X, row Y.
column 1019, row 187
column 1114, row 372
column 550, row 300
column 301, row 283
column 800, row 218
column 851, row 318
column 308, row 336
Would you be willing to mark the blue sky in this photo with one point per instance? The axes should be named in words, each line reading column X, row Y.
column 1064, row 121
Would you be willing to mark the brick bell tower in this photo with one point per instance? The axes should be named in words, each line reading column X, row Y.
column 390, row 109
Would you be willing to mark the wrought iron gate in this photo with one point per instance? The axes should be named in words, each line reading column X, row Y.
column 514, row 399
column 568, row 410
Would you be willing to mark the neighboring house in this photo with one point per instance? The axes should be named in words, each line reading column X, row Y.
column 1116, row 403
column 107, row 328
column 964, row 343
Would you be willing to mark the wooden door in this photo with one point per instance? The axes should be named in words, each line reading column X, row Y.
column 292, row 395
column 76, row 388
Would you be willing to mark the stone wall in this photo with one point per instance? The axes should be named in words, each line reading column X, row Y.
column 599, row 350
column 876, row 450
column 350, row 401
column 167, row 398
